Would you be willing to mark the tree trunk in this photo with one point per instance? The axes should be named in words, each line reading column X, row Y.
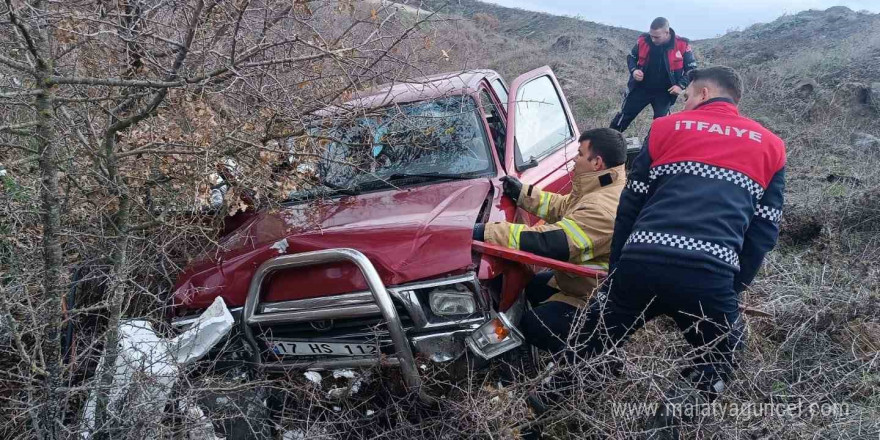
column 53, row 290
column 118, row 277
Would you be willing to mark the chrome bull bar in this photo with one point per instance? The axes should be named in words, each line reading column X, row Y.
column 250, row 317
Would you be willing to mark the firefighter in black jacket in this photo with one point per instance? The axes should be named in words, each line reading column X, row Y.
column 700, row 209
column 658, row 66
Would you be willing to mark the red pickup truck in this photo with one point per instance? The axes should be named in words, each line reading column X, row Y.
column 379, row 266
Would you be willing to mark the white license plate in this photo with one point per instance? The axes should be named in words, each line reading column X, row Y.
column 313, row 348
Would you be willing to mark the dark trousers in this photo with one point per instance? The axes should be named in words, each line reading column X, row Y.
column 636, row 100
column 702, row 303
column 548, row 324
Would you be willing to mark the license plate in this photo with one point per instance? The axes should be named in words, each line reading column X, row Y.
column 313, row 348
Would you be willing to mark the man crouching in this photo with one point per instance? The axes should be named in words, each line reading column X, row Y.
column 577, row 228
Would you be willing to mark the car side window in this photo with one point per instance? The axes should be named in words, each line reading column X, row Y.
column 501, row 92
column 494, row 120
column 541, row 122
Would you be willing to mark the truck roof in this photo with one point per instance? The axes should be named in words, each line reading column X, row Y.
column 418, row 89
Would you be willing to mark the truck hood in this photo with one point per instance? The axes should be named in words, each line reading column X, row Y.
column 409, row 234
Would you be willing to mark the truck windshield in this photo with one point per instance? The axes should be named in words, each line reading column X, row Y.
column 438, row 137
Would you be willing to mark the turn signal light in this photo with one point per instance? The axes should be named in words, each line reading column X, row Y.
column 494, row 337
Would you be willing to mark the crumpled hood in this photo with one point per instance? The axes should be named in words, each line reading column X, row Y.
column 409, row 234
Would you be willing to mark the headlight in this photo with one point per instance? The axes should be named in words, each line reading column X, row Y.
column 450, row 301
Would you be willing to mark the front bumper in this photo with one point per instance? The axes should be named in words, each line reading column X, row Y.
column 410, row 327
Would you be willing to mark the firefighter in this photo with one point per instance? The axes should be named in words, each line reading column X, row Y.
column 700, row 209
column 658, row 66
column 577, row 229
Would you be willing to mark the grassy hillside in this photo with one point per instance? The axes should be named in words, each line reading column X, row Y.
column 588, row 58
column 812, row 78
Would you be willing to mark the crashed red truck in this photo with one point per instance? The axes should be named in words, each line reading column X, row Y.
column 310, row 284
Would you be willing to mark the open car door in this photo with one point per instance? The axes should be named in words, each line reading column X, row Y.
column 541, row 142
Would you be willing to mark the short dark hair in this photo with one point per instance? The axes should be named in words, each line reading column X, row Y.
column 659, row 23
column 723, row 77
column 606, row 143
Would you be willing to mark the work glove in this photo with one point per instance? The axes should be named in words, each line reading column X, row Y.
column 479, row 231
column 512, row 187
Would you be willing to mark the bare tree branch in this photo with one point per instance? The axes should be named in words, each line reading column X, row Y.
column 22, row 94
column 15, row 127
column 20, row 147
column 26, row 35
column 16, row 65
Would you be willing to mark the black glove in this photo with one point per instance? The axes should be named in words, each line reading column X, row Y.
column 479, row 231
column 512, row 187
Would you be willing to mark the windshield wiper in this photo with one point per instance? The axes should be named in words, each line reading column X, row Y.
column 373, row 184
column 389, row 179
column 325, row 190
column 432, row 175
column 339, row 189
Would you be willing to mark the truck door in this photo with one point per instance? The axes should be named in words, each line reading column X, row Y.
column 541, row 142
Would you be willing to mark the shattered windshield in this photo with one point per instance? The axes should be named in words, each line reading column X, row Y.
column 441, row 137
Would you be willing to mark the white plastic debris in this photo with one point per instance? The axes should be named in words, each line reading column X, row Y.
column 2, row 172
column 294, row 435
column 346, row 373
column 549, row 367
column 209, row 329
column 147, row 367
column 280, row 246
column 370, row 412
column 218, row 196
column 312, row 431
column 199, row 426
column 306, row 168
column 337, row 393
column 353, row 385
column 313, row 376
column 356, row 386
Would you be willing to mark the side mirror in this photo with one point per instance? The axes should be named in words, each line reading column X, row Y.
column 527, row 165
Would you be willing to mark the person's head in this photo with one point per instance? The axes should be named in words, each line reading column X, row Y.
column 659, row 31
column 712, row 82
column 599, row 149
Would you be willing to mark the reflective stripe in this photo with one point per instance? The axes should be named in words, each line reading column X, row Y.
column 578, row 236
column 513, row 236
column 724, row 253
column 544, row 207
column 768, row 212
column 598, row 266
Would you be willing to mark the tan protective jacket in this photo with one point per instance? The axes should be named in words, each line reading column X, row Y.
column 577, row 229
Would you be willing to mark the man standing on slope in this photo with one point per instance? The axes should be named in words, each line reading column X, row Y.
column 658, row 66
column 700, row 209
column 578, row 229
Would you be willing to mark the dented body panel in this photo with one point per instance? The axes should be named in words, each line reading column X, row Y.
column 409, row 234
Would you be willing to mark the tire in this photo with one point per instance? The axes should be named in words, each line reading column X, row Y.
column 523, row 362
column 240, row 414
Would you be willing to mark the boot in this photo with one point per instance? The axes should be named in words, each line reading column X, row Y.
column 664, row 425
column 679, row 405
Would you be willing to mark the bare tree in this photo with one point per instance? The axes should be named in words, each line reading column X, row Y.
column 120, row 116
